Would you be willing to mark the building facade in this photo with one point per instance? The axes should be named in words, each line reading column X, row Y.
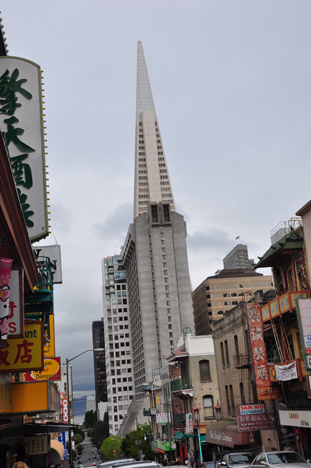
column 118, row 350
column 238, row 258
column 218, row 294
column 98, row 335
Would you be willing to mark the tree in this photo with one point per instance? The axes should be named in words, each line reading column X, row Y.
column 111, row 447
column 90, row 419
column 100, row 432
column 130, row 446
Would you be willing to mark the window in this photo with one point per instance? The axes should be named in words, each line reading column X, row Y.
column 205, row 373
column 208, row 407
column 227, row 354
column 227, row 399
column 242, row 393
column 237, row 352
column 222, row 355
column 231, row 398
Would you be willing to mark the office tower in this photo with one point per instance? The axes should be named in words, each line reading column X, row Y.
column 118, row 352
column 219, row 293
column 98, row 334
column 238, row 258
column 155, row 251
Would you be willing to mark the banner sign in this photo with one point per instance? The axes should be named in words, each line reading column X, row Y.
column 295, row 418
column 163, row 418
column 189, row 423
column 257, row 343
column 16, row 304
column 286, row 371
column 21, row 123
column 256, row 422
column 268, row 392
column 304, row 321
column 62, row 440
column 5, row 281
column 51, row 371
column 65, row 410
column 24, row 354
column 252, row 409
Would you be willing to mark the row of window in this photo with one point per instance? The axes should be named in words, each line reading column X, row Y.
column 238, row 286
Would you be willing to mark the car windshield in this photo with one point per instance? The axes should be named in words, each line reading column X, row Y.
column 285, row 457
column 241, row 458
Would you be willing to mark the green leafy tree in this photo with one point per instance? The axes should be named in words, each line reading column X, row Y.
column 90, row 419
column 129, row 443
column 100, row 432
column 110, row 445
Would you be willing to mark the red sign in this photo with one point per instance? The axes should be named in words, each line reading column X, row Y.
column 253, row 422
column 267, row 392
column 51, row 371
column 258, row 345
column 64, row 410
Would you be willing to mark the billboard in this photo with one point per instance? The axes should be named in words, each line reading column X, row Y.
column 21, row 122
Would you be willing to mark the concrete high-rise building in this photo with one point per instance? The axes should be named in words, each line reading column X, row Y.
column 118, row 350
column 155, row 251
column 98, row 334
column 221, row 292
column 238, row 258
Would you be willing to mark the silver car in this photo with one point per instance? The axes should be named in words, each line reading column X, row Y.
column 277, row 459
column 237, row 460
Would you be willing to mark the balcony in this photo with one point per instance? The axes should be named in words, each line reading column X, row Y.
column 178, row 384
column 241, row 361
column 282, row 304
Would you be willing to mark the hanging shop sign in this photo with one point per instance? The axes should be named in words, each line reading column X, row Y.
column 295, row 418
column 163, row 418
column 65, row 410
column 304, row 313
column 189, row 423
column 268, row 392
column 252, row 409
column 285, row 372
column 21, row 123
column 36, row 444
column 51, row 371
column 16, row 304
column 24, row 354
column 257, row 343
column 253, row 422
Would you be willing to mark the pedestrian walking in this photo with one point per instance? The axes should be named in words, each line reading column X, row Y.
column 19, row 464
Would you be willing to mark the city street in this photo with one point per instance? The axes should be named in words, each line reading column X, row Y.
column 87, row 454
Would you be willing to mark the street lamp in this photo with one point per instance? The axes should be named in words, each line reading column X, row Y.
column 68, row 396
column 197, row 418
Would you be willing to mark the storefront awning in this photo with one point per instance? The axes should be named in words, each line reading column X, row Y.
column 57, row 451
column 203, row 438
column 179, row 436
column 226, row 433
column 190, row 436
column 33, row 429
column 160, row 451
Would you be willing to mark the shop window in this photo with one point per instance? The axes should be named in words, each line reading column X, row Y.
column 208, row 406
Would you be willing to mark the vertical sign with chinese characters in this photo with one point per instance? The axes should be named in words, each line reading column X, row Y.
column 21, row 123
column 257, row 343
column 304, row 320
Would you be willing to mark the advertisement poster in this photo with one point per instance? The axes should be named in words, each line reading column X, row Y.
column 51, row 371
column 286, row 372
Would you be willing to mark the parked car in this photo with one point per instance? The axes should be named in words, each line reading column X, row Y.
column 277, row 459
column 236, row 459
column 109, row 463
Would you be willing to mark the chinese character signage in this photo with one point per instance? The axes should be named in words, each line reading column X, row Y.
column 304, row 314
column 286, row 372
column 163, row 418
column 5, row 282
column 189, row 423
column 24, row 354
column 36, row 444
column 21, row 122
column 257, row 343
column 253, row 422
column 51, row 371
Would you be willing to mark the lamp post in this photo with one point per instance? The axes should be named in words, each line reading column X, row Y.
column 196, row 413
column 68, row 396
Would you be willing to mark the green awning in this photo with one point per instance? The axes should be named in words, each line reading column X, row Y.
column 179, row 436
column 274, row 256
column 203, row 438
column 190, row 436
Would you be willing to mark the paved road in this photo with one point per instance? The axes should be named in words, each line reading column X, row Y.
column 87, row 455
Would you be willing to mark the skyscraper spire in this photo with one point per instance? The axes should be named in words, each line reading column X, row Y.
column 152, row 182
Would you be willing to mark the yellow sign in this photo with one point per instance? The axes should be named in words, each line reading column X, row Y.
column 24, row 354
column 158, row 400
column 35, row 397
column 49, row 348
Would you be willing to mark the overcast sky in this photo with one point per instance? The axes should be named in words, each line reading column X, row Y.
column 231, row 85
